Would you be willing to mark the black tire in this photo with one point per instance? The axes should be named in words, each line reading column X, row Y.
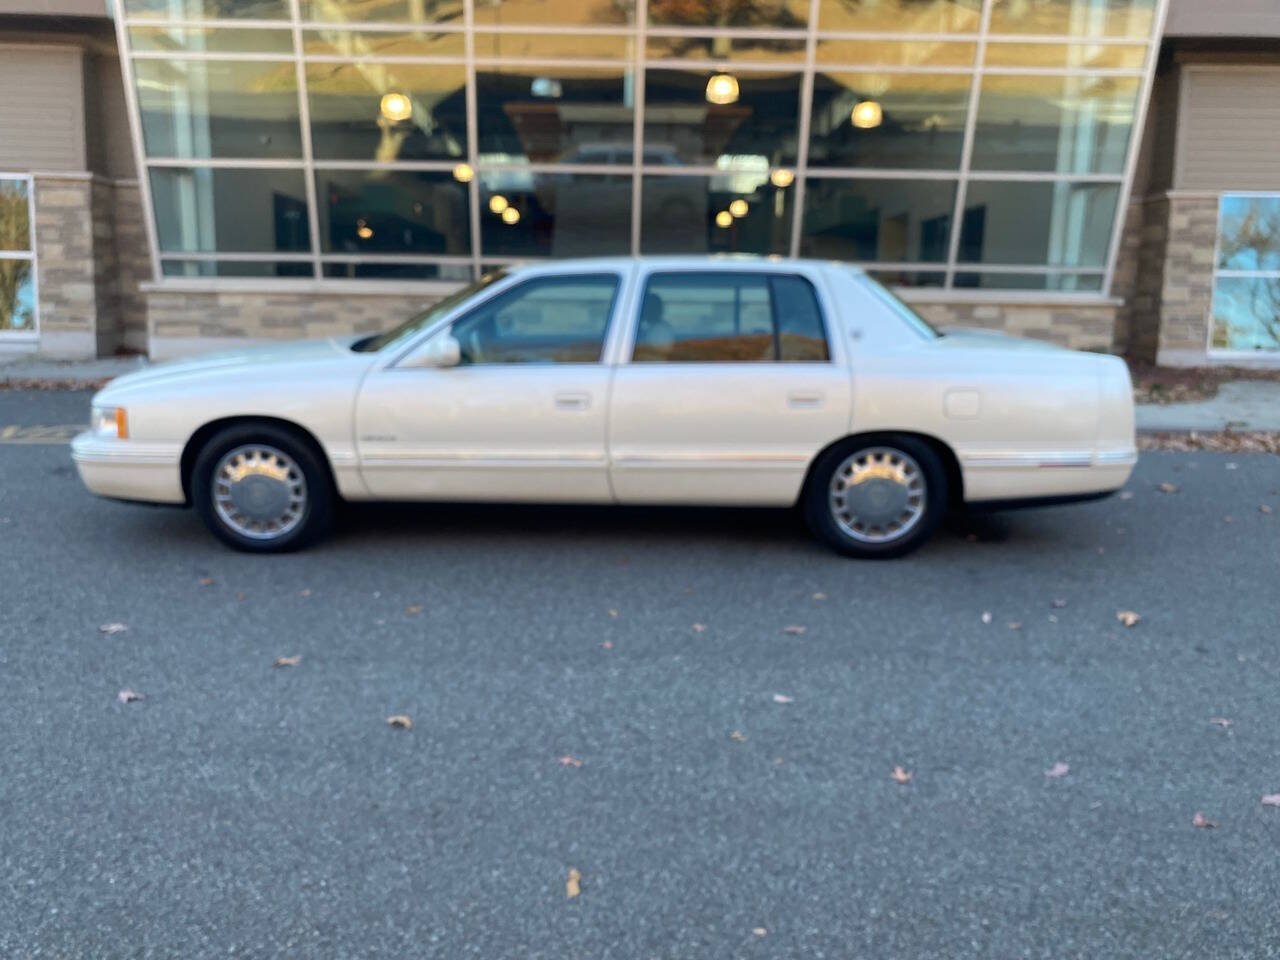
column 818, row 512
column 317, row 512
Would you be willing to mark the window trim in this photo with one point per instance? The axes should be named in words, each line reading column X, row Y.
column 8, row 334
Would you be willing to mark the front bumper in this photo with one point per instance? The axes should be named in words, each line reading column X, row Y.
column 129, row 470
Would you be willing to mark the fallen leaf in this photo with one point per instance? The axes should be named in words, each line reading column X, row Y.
column 1059, row 769
column 1233, row 466
column 572, row 886
column 699, row 628
column 305, row 593
column 241, row 597
column 816, row 596
column 287, row 661
column 206, row 581
column 128, row 696
column 1167, row 487
column 613, row 613
column 1228, row 519
column 1200, row 820
column 1015, row 625
column 1271, row 800
column 414, row 610
column 900, row 775
column 794, row 631
column 1222, row 722
column 1127, row 617
column 1126, row 494
column 737, row 736
column 1101, row 551
column 607, row 644
column 401, row 721
column 1059, row 604
column 1053, row 618
column 759, row 931
column 783, row 698
column 110, row 628
column 570, row 761
column 986, row 616
column 1264, row 509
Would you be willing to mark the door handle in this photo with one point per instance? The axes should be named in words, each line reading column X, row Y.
column 573, row 401
column 801, row 400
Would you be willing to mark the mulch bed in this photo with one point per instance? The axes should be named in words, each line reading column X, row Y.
column 1165, row 385
column 1228, row 441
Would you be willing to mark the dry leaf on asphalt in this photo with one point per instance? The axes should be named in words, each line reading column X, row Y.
column 817, row 596
column 206, row 581
column 1059, row 769
column 1015, row 625
column 572, row 886
column 1126, row 494
column 1167, row 487
column 794, row 631
column 401, row 721
column 613, row 613
column 759, row 931
column 110, row 628
column 128, row 696
column 241, row 597
column 1271, row 800
column 1127, row 617
column 570, row 761
column 305, row 593
column 699, row 628
column 1264, row 509
column 1059, row 604
column 414, row 610
column 737, row 736
column 986, row 616
column 901, row 775
column 1222, row 722
column 287, row 661
column 783, row 698
column 1200, row 820
column 607, row 644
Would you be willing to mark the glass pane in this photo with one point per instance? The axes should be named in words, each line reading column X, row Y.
column 1060, row 124
column 1249, row 236
column 1246, row 313
column 211, row 39
column 1077, row 18
column 888, row 121
column 387, row 111
column 705, row 318
column 235, row 268
column 385, row 211
column 211, row 108
column 901, row 16
column 734, row 212
column 452, row 272
column 754, row 119
column 896, row 53
column 554, row 214
column 774, row 14
column 383, row 11
column 909, row 278
column 550, row 320
column 764, row 49
column 1056, row 224
column 555, row 46
column 369, row 43
column 209, row 9
column 569, row 13
column 15, row 214
column 801, row 335
column 1112, row 56
column 232, row 211
column 555, row 114
column 893, row 221
column 17, row 296
column 1057, row 282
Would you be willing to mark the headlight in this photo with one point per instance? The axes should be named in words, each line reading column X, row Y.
column 110, row 422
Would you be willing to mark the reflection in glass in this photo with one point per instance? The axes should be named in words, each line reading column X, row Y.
column 392, row 211
column 681, row 125
column 211, row 39
column 230, row 210
column 568, row 13
column 766, row 49
column 555, row 46
column 1110, row 56
column 895, row 53
column 909, row 278
column 774, row 14
column 685, row 214
column 15, row 214
column 1056, row 224
column 901, row 16
column 1077, row 18
column 391, row 43
column 218, row 108
column 555, row 114
column 1246, row 313
column 920, row 124
column 17, row 296
column 209, row 9
column 350, row 119
column 1249, row 233
column 381, row 11
column 236, row 268
column 399, row 270
column 545, row 320
column 1059, row 124
column 891, row 221
column 1057, row 282
column 554, row 214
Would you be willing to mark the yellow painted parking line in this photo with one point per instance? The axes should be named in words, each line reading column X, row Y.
column 40, row 435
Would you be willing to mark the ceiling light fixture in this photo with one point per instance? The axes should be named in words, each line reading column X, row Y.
column 722, row 89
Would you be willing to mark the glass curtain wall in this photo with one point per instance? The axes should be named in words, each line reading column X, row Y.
column 944, row 143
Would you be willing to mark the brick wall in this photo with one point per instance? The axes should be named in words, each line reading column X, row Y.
column 65, row 260
column 1186, row 291
column 1081, row 327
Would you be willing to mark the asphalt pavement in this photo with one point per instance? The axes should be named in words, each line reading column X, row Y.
column 617, row 692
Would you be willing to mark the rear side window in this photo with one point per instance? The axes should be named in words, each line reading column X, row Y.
column 729, row 318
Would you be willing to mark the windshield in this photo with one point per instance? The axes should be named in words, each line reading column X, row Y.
column 426, row 317
column 916, row 322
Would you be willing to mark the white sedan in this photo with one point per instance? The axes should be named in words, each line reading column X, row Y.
column 677, row 380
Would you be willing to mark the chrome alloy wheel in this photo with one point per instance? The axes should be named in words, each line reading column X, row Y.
column 877, row 495
column 259, row 492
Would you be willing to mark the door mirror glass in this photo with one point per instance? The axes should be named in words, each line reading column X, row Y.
column 442, row 350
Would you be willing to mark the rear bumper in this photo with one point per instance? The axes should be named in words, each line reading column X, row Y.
column 127, row 470
column 1039, row 475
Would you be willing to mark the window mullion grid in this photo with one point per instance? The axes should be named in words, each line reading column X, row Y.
column 802, row 133
column 134, row 111
column 638, row 81
column 966, row 150
column 473, row 134
column 304, row 118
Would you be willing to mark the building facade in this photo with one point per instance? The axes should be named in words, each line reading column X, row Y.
column 193, row 173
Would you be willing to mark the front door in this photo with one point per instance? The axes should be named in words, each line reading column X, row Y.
column 522, row 417
column 729, row 392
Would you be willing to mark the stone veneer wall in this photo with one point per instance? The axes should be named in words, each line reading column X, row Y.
column 65, row 263
column 133, row 262
column 1186, row 289
column 1079, row 326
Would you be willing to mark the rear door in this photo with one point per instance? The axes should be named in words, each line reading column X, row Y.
column 727, row 390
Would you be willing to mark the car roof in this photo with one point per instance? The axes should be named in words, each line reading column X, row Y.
column 726, row 261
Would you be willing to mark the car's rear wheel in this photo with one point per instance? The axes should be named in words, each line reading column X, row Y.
column 880, row 496
column 261, row 488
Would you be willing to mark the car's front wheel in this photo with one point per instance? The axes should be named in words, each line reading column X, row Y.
column 876, row 496
column 261, row 488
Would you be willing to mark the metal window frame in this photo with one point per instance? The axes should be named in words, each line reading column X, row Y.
column 638, row 62
column 1219, row 273
column 9, row 335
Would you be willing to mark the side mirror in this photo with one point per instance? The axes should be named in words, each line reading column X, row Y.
column 442, row 350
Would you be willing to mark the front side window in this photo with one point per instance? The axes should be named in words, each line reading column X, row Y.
column 729, row 318
column 547, row 320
